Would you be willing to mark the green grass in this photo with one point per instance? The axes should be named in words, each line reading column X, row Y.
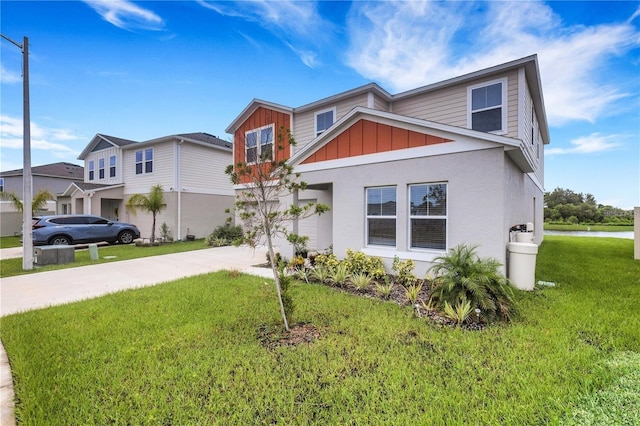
column 112, row 253
column 595, row 228
column 188, row 352
column 8, row 242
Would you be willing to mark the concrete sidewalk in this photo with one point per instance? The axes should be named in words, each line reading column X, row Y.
column 42, row 289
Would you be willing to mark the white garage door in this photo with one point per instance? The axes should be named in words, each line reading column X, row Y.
column 309, row 227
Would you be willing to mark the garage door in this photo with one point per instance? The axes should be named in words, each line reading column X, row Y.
column 309, row 227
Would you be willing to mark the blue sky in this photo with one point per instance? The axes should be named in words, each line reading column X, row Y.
column 145, row 69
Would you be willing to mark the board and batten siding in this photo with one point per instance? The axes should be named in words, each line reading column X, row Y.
column 202, row 170
column 106, row 155
column 163, row 169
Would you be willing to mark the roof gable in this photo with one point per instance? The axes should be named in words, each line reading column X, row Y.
column 100, row 142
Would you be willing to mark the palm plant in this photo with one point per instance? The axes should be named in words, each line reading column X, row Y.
column 39, row 200
column 152, row 203
column 461, row 276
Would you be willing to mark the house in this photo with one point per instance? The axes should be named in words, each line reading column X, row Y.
column 190, row 167
column 54, row 178
column 415, row 173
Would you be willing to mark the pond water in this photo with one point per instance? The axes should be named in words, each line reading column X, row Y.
column 627, row 235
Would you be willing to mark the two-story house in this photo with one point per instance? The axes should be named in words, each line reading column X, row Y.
column 190, row 167
column 416, row 173
column 54, row 178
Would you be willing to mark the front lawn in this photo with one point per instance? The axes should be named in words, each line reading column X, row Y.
column 190, row 352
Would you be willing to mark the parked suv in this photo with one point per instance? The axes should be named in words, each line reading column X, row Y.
column 79, row 228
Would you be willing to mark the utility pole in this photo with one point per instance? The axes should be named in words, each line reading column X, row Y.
column 27, row 193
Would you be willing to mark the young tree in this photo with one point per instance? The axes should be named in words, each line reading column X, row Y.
column 39, row 200
column 267, row 178
column 152, row 203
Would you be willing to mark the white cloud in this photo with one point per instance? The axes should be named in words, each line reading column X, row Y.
column 8, row 76
column 593, row 143
column 52, row 140
column 410, row 44
column 297, row 23
column 126, row 15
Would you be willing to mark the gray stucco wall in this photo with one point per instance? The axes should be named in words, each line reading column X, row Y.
column 476, row 200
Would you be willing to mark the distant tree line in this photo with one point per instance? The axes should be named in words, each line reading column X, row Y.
column 566, row 206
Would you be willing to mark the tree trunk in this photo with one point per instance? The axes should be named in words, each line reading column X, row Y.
column 276, row 277
column 153, row 230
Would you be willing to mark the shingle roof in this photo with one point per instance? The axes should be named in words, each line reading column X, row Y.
column 117, row 141
column 62, row 169
column 207, row 138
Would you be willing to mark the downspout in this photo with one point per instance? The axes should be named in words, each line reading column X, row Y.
column 179, row 189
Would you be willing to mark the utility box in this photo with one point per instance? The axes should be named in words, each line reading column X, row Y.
column 54, row 255
column 522, row 264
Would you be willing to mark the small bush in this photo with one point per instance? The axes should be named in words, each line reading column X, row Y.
column 320, row 273
column 404, row 271
column 329, row 260
column 359, row 263
column 340, row 274
column 225, row 233
column 360, row 280
column 384, row 289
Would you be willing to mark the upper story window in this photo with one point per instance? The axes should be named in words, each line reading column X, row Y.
column 112, row 166
column 92, row 169
column 324, row 120
column 144, row 161
column 487, row 106
column 381, row 216
column 101, row 168
column 428, row 216
column 259, row 143
column 1, row 184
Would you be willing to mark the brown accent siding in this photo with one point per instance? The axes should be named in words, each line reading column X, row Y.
column 367, row 137
column 262, row 117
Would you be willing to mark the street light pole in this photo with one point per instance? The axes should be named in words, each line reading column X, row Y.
column 27, row 196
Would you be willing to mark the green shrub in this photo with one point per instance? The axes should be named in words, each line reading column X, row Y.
column 360, row 280
column 404, row 271
column 459, row 313
column 329, row 260
column 384, row 289
column 285, row 283
column 340, row 274
column 462, row 276
column 228, row 233
column 359, row 263
column 320, row 273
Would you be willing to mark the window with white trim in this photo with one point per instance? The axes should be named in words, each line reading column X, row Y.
column 101, row 168
column 381, row 216
column 428, row 216
column 324, row 119
column 258, row 143
column 487, row 107
column 1, row 184
column 112, row 166
column 92, row 168
column 144, row 161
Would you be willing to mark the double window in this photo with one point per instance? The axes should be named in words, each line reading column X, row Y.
column 381, row 216
column 259, row 144
column 427, row 216
column 92, row 169
column 487, row 107
column 324, row 120
column 144, row 161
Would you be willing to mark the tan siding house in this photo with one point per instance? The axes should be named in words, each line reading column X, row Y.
column 189, row 167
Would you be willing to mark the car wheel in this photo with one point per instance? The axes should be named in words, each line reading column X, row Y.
column 59, row 240
column 125, row 237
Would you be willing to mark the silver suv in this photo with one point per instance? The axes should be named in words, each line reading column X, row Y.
column 79, row 228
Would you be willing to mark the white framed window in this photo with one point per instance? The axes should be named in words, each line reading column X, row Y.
column 428, row 216
column 487, row 106
column 101, row 168
column 112, row 166
column 324, row 119
column 144, row 161
column 381, row 216
column 92, row 169
column 258, row 143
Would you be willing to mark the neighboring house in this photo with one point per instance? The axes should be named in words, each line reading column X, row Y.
column 190, row 167
column 54, row 178
column 416, row 173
